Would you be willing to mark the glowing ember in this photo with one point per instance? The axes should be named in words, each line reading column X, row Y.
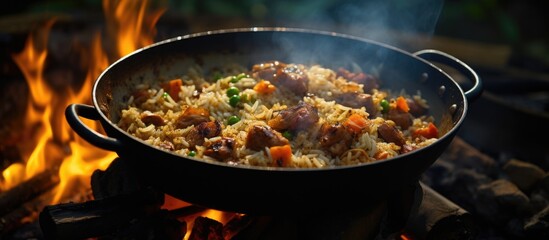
column 405, row 237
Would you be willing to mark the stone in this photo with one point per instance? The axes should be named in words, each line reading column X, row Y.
column 524, row 174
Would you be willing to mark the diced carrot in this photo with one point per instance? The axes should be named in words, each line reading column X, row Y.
column 356, row 123
column 402, row 104
column 381, row 155
column 173, row 87
column 281, row 155
column 264, row 87
column 430, row 131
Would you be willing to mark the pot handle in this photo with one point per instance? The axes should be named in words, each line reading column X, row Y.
column 445, row 58
column 72, row 113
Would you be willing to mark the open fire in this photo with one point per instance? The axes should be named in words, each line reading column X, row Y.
column 45, row 148
column 51, row 151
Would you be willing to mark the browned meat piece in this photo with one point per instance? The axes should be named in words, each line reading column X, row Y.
column 266, row 70
column 294, row 78
column 192, row 116
column 222, row 150
column 391, row 134
column 296, row 118
column 369, row 81
column 335, row 139
column 209, row 129
column 203, row 130
column 416, row 109
column 150, row 118
column 260, row 137
column 402, row 119
column 289, row 76
column 194, row 138
column 357, row 100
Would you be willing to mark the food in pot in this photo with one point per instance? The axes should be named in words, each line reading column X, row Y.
column 279, row 115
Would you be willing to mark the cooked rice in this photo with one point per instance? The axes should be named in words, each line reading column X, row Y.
column 258, row 109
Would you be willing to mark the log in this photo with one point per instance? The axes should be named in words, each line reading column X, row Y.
column 118, row 178
column 98, row 217
column 23, row 214
column 236, row 224
column 206, row 228
column 30, row 189
column 160, row 225
column 435, row 217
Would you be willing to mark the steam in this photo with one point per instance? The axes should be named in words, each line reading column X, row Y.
column 378, row 20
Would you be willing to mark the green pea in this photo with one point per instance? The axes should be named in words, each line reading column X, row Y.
column 237, row 78
column 234, row 79
column 234, row 100
column 233, row 119
column 384, row 105
column 288, row 135
column 191, row 153
column 165, row 95
column 232, row 91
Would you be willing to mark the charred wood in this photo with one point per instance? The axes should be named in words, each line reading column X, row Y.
column 118, row 178
column 206, row 228
column 23, row 214
column 28, row 190
column 435, row 217
column 238, row 223
column 98, row 217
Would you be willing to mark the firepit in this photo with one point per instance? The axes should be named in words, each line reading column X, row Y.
column 122, row 208
column 53, row 182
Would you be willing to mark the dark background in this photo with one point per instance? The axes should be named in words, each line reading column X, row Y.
column 520, row 26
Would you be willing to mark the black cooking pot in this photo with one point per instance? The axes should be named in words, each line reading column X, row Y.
column 268, row 190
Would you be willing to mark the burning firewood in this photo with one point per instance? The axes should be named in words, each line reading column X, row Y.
column 206, row 228
column 98, row 217
column 236, row 225
column 28, row 190
column 117, row 179
column 24, row 213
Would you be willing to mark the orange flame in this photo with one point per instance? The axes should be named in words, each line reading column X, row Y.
column 404, row 237
column 130, row 24
column 31, row 61
column 132, row 28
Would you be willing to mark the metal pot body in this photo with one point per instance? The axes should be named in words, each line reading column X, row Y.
column 263, row 190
